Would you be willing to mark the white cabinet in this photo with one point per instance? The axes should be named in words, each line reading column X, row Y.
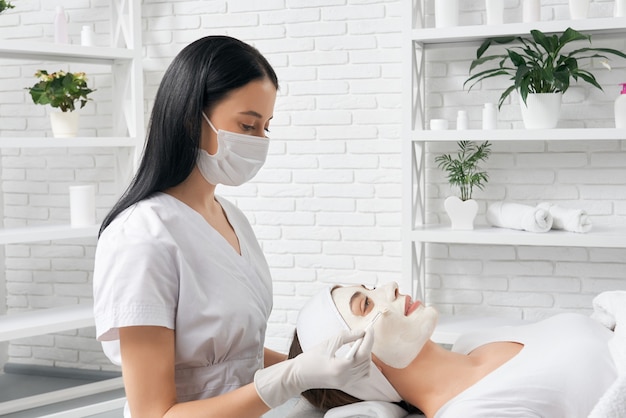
column 416, row 232
column 124, row 58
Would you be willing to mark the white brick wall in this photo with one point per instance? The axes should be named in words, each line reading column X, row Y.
column 327, row 206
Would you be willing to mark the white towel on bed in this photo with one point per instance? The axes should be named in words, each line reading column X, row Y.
column 609, row 308
column 517, row 216
column 574, row 220
column 368, row 409
column 303, row 409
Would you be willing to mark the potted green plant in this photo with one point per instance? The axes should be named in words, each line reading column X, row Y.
column 62, row 90
column 464, row 173
column 539, row 69
column 4, row 5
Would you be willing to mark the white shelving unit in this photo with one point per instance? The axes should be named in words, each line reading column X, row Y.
column 416, row 234
column 124, row 57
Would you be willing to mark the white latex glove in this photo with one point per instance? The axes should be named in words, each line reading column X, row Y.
column 317, row 368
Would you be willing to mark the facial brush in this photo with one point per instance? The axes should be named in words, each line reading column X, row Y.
column 358, row 342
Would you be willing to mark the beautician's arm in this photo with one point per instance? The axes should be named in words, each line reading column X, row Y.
column 148, row 370
column 272, row 357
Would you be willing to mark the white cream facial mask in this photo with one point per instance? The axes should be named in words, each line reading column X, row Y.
column 398, row 337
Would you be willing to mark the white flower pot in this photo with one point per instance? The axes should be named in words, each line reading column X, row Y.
column 541, row 110
column 579, row 9
column 64, row 124
column 461, row 213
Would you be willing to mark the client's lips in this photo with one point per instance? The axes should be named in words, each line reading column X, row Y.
column 410, row 306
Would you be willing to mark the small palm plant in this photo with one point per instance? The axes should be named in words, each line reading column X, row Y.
column 463, row 171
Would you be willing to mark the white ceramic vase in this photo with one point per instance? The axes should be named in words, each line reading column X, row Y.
column 461, row 213
column 620, row 8
column 579, row 9
column 446, row 13
column 495, row 12
column 541, row 110
column 64, row 124
column 531, row 11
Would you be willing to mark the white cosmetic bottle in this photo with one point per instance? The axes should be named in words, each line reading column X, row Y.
column 86, row 36
column 60, row 26
column 462, row 120
column 490, row 116
column 620, row 109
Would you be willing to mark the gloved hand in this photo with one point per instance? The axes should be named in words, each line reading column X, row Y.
column 317, row 368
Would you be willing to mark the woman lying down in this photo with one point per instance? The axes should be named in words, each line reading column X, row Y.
column 558, row 367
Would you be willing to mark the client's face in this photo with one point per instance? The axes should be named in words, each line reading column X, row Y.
column 400, row 333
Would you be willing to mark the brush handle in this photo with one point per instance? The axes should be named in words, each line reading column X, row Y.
column 358, row 342
column 354, row 348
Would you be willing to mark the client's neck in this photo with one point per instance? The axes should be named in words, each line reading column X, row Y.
column 433, row 377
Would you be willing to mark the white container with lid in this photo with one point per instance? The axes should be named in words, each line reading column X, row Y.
column 86, row 36
column 490, row 116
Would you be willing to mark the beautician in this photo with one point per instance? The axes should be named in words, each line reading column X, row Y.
column 182, row 291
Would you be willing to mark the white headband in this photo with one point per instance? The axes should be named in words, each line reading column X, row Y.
column 320, row 320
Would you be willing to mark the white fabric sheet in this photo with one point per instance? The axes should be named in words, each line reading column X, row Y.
column 563, row 369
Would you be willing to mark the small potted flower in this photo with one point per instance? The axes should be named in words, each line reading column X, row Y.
column 465, row 175
column 4, row 5
column 62, row 90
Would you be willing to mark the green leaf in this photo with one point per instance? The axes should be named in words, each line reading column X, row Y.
column 487, row 74
column 571, row 35
column 479, row 61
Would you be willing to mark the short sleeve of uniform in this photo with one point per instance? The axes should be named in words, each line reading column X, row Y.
column 135, row 277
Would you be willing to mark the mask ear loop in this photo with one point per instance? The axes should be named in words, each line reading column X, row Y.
column 209, row 122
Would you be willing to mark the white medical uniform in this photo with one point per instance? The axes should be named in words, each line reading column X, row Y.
column 561, row 372
column 160, row 263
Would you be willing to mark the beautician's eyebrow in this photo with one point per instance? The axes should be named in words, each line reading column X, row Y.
column 255, row 114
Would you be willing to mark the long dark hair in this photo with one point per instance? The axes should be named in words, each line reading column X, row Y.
column 199, row 77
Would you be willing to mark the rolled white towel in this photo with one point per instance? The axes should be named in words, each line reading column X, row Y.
column 367, row 409
column 574, row 220
column 518, row 216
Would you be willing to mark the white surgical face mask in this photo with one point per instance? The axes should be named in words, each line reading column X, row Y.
column 237, row 160
column 400, row 334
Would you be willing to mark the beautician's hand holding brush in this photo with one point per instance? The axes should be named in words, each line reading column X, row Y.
column 317, row 368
